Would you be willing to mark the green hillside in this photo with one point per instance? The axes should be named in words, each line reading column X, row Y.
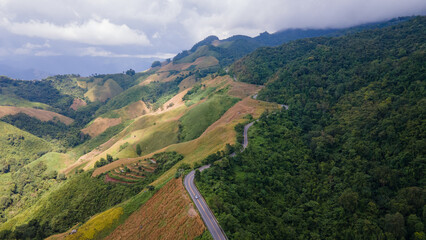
column 199, row 118
column 18, row 148
column 233, row 48
column 347, row 160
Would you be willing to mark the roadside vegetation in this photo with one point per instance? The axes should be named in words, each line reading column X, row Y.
column 346, row 160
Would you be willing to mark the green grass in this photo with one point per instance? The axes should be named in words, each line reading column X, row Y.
column 150, row 93
column 199, row 95
column 100, row 139
column 162, row 100
column 5, row 183
column 203, row 51
column 198, row 119
column 110, row 114
column 20, row 146
column 153, row 138
column 54, row 161
column 8, row 100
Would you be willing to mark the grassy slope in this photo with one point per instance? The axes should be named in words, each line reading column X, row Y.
column 27, row 148
column 101, row 93
column 203, row 115
column 212, row 140
column 7, row 100
column 155, row 130
column 54, row 161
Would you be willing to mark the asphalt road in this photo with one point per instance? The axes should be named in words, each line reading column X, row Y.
column 246, row 128
column 205, row 212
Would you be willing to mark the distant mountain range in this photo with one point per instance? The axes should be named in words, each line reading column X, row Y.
column 226, row 51
column 23, row 74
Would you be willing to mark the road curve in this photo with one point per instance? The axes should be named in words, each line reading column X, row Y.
column 205, row 212
column 246, row 128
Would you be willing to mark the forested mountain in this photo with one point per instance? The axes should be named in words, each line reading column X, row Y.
column 233, row 48
column 347, row 160
column 80, row 155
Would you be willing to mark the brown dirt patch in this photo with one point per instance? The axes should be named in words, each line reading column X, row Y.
column 173, row 103
column 164, row 216
column 42, row 115
column 192, row 212
column 100, row 125
column 116, row 164
column 205, row 62
column 158, row 76
column 113, row 174
column 77, row 103
column 110, row 179
column 136, row 109
column 242, row 90
column 62, row 236
column 202, row 62
column 239, row 110
column 187, row 83
column 83, row 159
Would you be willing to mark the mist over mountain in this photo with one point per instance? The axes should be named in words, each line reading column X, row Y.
column 31, row 68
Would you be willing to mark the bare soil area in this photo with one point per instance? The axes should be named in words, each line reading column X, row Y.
column 100, row 125
column 77, row 103
column 169, row 214
column 42, row 115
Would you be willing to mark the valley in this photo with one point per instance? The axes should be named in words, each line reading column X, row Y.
column 327, row 130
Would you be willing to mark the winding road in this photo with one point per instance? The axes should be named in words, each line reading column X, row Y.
column 205, row 212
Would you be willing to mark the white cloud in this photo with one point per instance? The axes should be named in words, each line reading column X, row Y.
column 93, row 32
column 29, row 48
column 46, row 53
column 98, row 52
column 94, row 52
column 147, row 27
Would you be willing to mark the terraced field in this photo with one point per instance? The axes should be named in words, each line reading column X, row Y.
column 132, row 173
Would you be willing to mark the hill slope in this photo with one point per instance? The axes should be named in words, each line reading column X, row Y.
column 345, row 158
column 346, row 161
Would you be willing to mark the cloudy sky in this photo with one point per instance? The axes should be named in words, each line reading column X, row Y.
column 134, row 32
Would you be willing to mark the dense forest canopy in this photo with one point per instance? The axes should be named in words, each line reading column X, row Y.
column 347, row 160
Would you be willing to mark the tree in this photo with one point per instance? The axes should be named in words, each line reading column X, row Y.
column 138, row 149
column 394, row 223
column 109, row 158
column 62, row 176
column 151, row 188
column 156, row 64
column 197, row 175
column 349, row 200
column 130, row 72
